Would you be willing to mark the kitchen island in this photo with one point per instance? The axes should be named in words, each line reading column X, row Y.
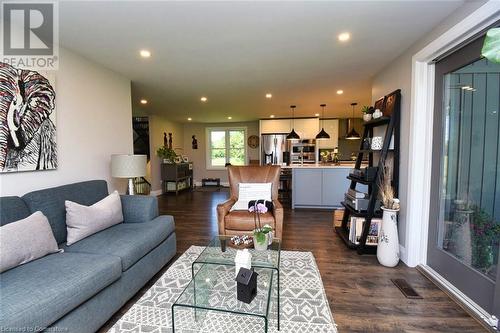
column 320, row 185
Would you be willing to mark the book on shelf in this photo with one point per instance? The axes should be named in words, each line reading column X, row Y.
column 356, row 229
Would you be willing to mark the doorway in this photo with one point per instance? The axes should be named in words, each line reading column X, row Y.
column 464, row 228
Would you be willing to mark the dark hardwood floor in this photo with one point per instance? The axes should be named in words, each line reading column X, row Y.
column 361, row 296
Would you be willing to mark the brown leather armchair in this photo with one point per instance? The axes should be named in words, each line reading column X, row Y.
column 240, row 222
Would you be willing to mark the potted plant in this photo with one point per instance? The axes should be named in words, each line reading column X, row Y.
column 388, row 242
column 260, row 233
column 168, row 155
column 485, row 232
column 367, row 112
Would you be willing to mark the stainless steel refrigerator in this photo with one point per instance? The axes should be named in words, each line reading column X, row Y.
column 275, row 149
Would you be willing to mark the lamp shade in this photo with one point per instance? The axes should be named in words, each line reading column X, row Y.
column 128, row 166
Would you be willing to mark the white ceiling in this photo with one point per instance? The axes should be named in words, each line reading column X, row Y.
column 235, row 52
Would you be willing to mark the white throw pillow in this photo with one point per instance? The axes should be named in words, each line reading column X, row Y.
column 25, row 240
column 251, row 191
column 83, row 221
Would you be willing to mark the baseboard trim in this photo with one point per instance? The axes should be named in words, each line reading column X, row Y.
column 474, row 310
column 155, row 193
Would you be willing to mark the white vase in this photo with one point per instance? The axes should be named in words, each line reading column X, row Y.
column 388, row 240
column 367, row 116
column 260, row 246
column 269, row 238
column 377, row 114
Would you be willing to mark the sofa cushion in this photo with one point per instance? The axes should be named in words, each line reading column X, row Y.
column 244, row 220
column 44, row 290
column 26, row 240
column 129, row 241
column 51, row 202
column 12, row 209
column 83, row 221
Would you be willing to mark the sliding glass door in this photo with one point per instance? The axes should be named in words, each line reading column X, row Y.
column 464, row 228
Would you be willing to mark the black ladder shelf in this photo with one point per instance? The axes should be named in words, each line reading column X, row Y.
column 391, row 107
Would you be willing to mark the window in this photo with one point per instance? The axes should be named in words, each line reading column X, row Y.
column 226, row 145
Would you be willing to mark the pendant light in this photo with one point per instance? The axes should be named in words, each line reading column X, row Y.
column 322, row 135
column 352, row 135
column 293, row 135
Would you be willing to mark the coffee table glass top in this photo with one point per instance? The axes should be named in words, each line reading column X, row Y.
column 214, row 288
column 220, row 250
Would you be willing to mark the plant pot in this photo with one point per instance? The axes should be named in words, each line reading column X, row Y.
column 367, row 116
column 388, row 240
column 262, row 245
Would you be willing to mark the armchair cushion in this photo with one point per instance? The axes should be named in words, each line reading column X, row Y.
column 139, row 208
column 244, row 220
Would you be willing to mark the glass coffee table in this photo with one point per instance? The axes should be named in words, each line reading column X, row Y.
column 213, row 288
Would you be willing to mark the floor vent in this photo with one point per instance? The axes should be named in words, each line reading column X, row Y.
column 406, row 289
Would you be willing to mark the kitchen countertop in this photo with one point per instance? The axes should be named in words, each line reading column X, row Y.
column 319, row 166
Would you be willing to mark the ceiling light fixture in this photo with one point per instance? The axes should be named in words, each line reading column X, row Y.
column 340, row 92
column 229, row 118
column 322, row 135
column 203, row 99
column 268, row 95
column 352, row 135
column 344, row 37
column 189, row 119
column 271, row 116
column 144, row 101
column 293, row 135
column 145, row 53
column 316, row 114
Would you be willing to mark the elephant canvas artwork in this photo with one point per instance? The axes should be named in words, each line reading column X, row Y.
column 27, row 120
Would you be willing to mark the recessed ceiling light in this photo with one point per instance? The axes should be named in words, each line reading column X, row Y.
column 316, row 114
column 344, row 37
column 189, row 119
column 271, row 116
column 229, row 118
column 203, row 99
column 144, row 101
column 340, row 92
column 145, row 53
column 269, row 95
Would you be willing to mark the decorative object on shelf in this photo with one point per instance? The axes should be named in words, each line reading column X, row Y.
column 128, row 166
column 27, row 120
column 246, row 285
column 388, row 243
column 367, row 112
column 194, row 143
column 165, row 139
column 185, row 159
column 170, row 140
column 293, row 135
column 376, row 143
column 377, row 114
column 322, row 135
column 491, row 46
column 168, row 155
column 253, row 141
column 242, row 259
column 178, row 159
column 353, row 135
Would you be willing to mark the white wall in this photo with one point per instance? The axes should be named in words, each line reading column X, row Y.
column 199, row 156
column 94, row 111
column 398, row 75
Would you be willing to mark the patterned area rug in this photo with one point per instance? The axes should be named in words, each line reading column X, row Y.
column 304, row 307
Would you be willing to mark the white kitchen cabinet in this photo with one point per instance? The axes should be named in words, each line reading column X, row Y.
column 275, row 126
column 307, row 128
column 331, row 127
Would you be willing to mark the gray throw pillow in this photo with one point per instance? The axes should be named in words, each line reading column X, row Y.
column 83, row 221
column 26, row 240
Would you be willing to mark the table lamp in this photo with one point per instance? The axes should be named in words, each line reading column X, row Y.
column 128, row 166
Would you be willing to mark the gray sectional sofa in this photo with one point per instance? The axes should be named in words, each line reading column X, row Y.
column 80, row 289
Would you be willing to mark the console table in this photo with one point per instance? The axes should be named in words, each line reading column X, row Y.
column 176, row 177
